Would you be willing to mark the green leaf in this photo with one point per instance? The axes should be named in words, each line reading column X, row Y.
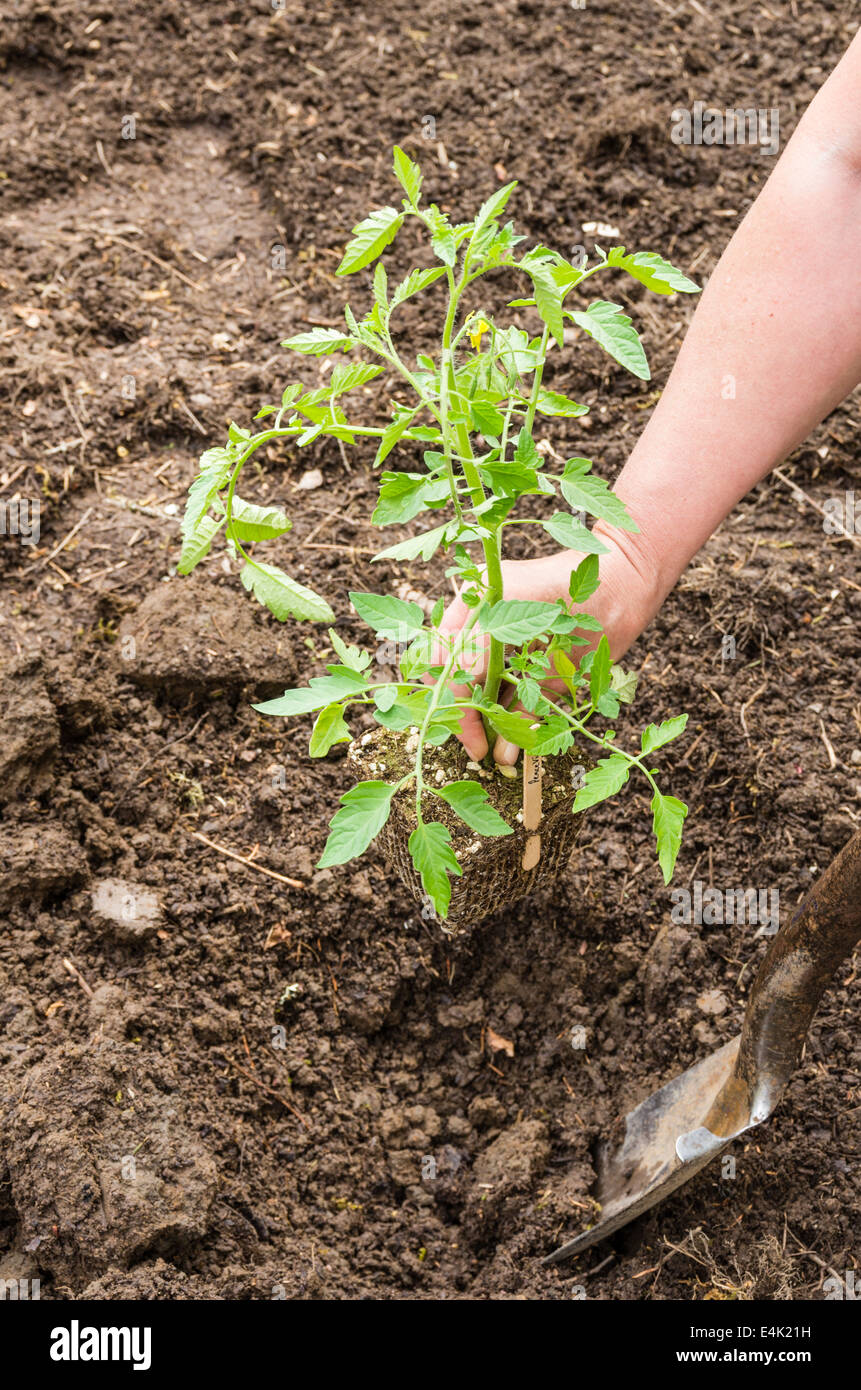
column 302, row 701
column 486, row 419
column 510, row 478
column 668, row 819
column 498, row 250
column 608, row 704
column 446, row 717
column 252, row 523
column 408, row 710
column 624, row 683
column 381, row 285
column 443, row 245
column 284, row 597
column 408, row 175
column 355, row 658
column 389, row 616
column 330, row 417
column 418, row 657
column 328, row 730
column 370, row 239
column 605, row 779
column 196, row 545
column 555, row 736
column 526, row 452
column 341, row 680
column 584, row 579
column 503, row 244
column 320, row 691
column 404, row 495
column 528, row 693
column 364, row 811
column 469, row 801
column 572, row 535
column 552, row 403
column 564, row 667
column 609, row 326
column 398, row 718
column 490, row 210
column 548, row 300
column 514, row 350
column 422, row 546
column 584, row 492
column 517, row 728
column 492, row 512
column 392, row 433
column 416, row 281
column 599, row 671
column 515, row 621
column 347, row 375
column 319, row 342
column 652, row 271
column 433, row 856
column 385, row 697
column 214, row 469
column 656, row 735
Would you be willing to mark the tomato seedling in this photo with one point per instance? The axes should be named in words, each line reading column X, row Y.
column 472, row 406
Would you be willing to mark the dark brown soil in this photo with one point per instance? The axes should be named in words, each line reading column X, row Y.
column 238, row 1088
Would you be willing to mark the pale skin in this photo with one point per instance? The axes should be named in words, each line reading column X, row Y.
column 780, row 318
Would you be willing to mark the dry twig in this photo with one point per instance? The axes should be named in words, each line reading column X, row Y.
column 249, row 863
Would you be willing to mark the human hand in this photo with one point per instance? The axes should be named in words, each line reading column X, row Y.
column 623, row 603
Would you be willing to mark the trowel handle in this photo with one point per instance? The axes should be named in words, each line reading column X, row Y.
column 789, row 984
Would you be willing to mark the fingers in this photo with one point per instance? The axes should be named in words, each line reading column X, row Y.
column 454, row 616
column 451, row 622
column 504, row 752
column 472, row 735
column 474, row 661
column 473, row 652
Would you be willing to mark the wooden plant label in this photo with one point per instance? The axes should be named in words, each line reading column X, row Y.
column 531, row 809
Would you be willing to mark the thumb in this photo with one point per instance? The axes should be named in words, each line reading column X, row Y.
column 454, row 616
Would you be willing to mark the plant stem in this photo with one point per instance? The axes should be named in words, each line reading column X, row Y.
column 439, row 689
column 493, row 546
column 472, row 476
column 536, row 380
column 611, row 748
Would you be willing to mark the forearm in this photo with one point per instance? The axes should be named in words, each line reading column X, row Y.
column 774, row 345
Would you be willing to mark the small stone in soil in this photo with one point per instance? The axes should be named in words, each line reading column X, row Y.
column 714, row 1002
column 125, row 910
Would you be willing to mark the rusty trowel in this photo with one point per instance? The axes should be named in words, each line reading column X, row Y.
column 678, row 1130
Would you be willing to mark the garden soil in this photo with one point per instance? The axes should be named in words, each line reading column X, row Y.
column 237, row 1076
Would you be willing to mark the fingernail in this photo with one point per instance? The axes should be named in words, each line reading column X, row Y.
column 505, row 752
